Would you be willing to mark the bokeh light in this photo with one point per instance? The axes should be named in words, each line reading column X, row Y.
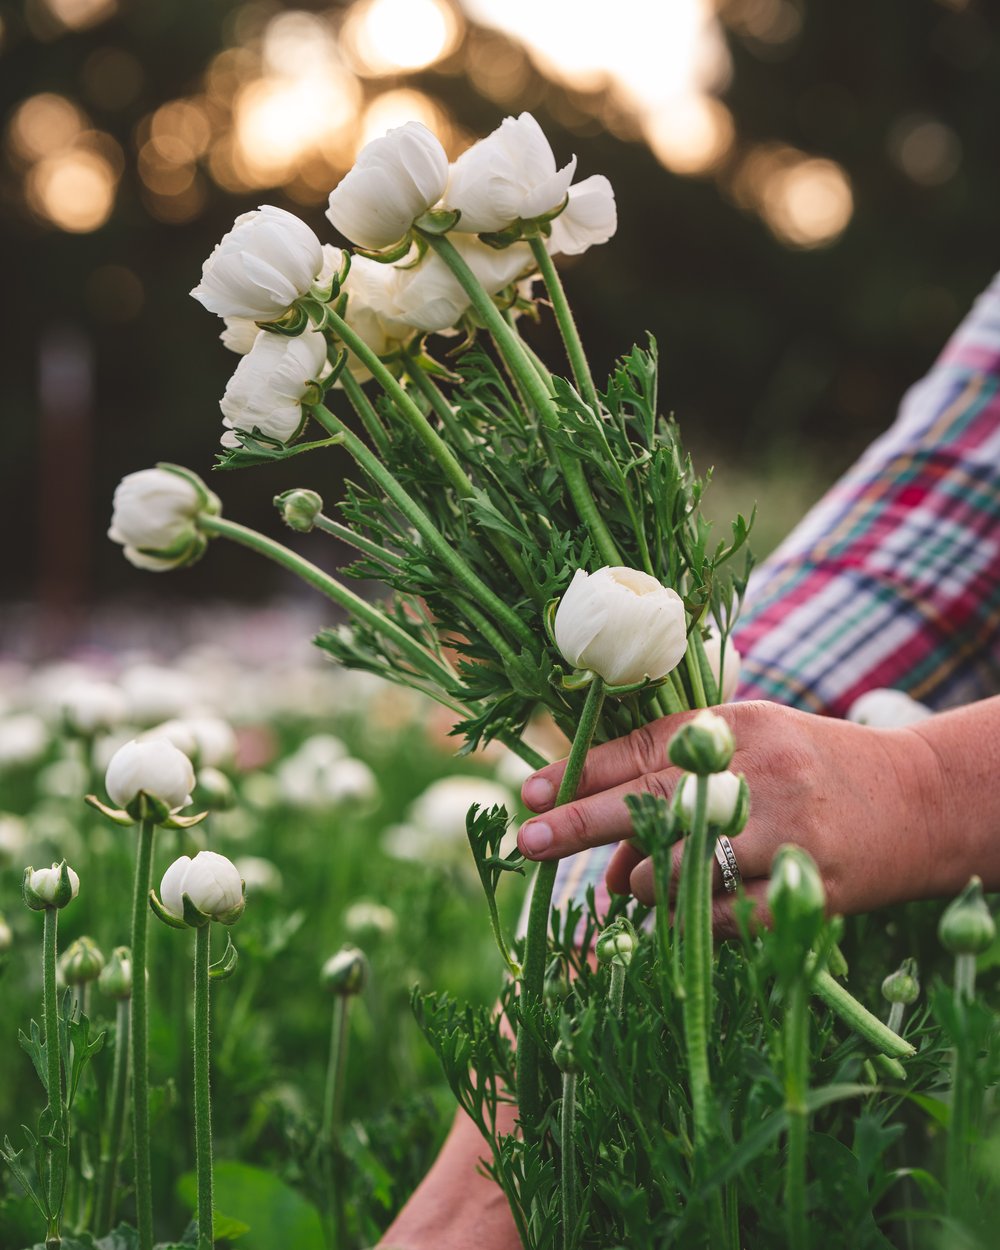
column 926, row 150
column 44, row 125
column 395, row 108
column 74, row 190
column 390, row 36
column 692, row 135
column 806, row 201
column 79, row 14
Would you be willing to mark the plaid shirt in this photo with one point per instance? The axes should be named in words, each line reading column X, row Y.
column 893, row 578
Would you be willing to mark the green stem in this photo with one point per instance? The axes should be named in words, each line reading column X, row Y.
column 58, row 1153
column 694, row 671
column 333, row 1098
column 366, row 411
column 422, row 523
column 707, row 684
column 616, row 989
column 424, row 661
column 532, row 385
column 359, row 542
column 202, row 1096
column 859, row 1018
column 434, row 396
column 796, row 1057
column 536, row 940
column 567, row 1159
column 698, row 964
column 567, row 325
column 895, row 1021
column 965, row 977
column 140, row 1037
column 116, row 1122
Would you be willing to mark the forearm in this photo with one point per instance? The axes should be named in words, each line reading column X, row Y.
column 455, row 1207
column 962, row 796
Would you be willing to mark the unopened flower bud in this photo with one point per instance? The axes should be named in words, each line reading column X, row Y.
column 155, row 517
column 727, row 805
column 797, row 901
column 299, row 508
column 704, row 745
column 346, row 972
column 214, row 790
column 967, row 927
column 564, row 1057
column 50, row 887
column 902, row 985
column 150, row 773
column 81, row 961
column 616, row 945
column 208, row 887
column 116, row 977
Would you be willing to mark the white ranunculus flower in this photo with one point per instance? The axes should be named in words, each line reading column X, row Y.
column 266, row 391
column 372, row 311
column 395, row 179
column 431, row 298
column 435, row 824
column 590, row 217
column 621, row 624
column 13, row 837
column 154, row 517
column 509, row 175
column 260, row 876
column 90, row 705
column 262, row 266
column 157, row 693
column 208, row 739
column 730, row 667
column 153, row 767
column 45, row 882
column 887, row 709
column 24, row 738
column 212, row 883
column 723, row 797
column 240, row 334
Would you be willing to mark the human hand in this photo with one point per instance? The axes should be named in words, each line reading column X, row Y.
column 860, row 800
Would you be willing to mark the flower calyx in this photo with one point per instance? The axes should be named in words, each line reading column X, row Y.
column 616, row 944
column 49, row 888
column 81, row 961
column 902, row 986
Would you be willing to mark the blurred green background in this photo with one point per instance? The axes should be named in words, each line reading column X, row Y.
column 808, row 196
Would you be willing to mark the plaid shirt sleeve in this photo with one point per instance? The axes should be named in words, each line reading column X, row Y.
column 893, row 578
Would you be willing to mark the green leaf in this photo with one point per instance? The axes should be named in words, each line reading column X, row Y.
column 124, row 1237
column 275, row 1215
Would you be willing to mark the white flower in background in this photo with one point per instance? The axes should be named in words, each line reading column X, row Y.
column 13, row 837
column 155, row 516
column 731, row 667
column 509, row 175
column 372, row 312
column 431, row 298
column 590, row 217
column 63, row 779
column 24, row 738
column 6, row 936
column 212, row 883
column 723, row 797
column 512, row 771
column 321, row 774
column 240, row 334
column 395, row 179
column 208, row 740
column 156, row 693
column 887, row 709
column 269, row 384
column 621, row 624
column 90, row 706
column 260, row 876
column 262, row 265
column 154, row 767
column 45, row 884
column 435, row 822
column 365, row 917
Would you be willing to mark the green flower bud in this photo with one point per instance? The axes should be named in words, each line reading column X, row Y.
column 704, row 745
column 902, row 985
column 49, row 887
column 81, row 962
column 967, row 927
column 797, row 901
column 616, row 945
column 213, row 790
column 564, row 1056
column 346, row 972
column 299, row 508
column 116, row 978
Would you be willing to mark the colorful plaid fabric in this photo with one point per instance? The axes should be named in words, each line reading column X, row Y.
column 893, row 578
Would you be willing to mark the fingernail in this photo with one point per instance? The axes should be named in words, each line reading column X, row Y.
column 538, row 793
column 536, row 836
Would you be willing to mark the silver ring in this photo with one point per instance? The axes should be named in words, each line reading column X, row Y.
column 726, row 857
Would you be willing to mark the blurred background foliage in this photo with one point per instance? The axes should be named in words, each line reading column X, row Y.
column 808, row 196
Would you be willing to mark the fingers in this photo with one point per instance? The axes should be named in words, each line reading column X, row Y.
column 724, row 923
column 594, row 821
column 626, row 858
column 611, row 764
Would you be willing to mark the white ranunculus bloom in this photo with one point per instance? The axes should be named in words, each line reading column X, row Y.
column 266, row 391
column 887, row 709
column 372, row 311
column 212, row 883
column 509, row 175
column 90, row 706
column 260, row 876
column 157, row 693
column 395, row 179
column 262, row 266
column 240, row 334
column 153, row 767
column 590, row 217
column 730, row 666
column 621, row 624
column 723, row 797
column 431, row 298
column 24, row 738
column 45, row 882
column 13, row 837
column 154, row 517
column 201, row 736
column 435, row 824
